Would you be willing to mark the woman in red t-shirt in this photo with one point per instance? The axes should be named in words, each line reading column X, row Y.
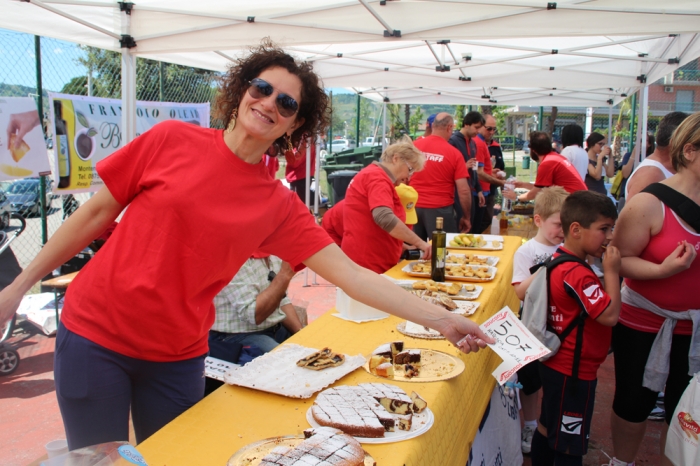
column 374, row 219
column 661, row 270
column 135, row 323
column 295, row 172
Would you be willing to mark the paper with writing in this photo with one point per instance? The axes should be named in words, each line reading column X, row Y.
column 514, row 343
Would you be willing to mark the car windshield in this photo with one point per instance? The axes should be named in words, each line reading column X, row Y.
column 23, row 186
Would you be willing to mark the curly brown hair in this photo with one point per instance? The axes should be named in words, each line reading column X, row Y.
column 313, row 107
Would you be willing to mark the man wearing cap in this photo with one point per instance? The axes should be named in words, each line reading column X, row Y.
column 444, row 171
column 428, row 126
column 465, row 141
column 491, row 177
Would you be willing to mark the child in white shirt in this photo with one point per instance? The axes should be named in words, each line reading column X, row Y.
column 549, row 236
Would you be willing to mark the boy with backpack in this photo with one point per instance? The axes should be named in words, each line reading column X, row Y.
column 582, row 311
column 549, row 236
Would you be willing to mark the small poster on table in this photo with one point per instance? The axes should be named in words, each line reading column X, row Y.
column 515, row 344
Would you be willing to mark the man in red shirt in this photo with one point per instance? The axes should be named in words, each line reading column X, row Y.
column 553, row 170
column 444, row 170
column 491, row 173
column 295, row 173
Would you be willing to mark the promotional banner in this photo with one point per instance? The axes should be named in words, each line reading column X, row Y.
column 22, row 146
column 497, row 442
column 515, row 344
column 88, row 129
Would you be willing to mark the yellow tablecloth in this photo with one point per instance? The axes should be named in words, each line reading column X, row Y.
column 232, row 417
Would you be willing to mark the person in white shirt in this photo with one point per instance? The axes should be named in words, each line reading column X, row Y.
column 572, row 140
column 549, row 236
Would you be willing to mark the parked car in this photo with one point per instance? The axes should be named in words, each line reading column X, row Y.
column 5, row 210
column 372, row 141
column 24, row 196
column 339, row 145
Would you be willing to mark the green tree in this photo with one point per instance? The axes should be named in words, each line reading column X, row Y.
column 416, row 120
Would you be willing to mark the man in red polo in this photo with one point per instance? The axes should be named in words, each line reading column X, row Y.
column 444, row 171
column 553, row 169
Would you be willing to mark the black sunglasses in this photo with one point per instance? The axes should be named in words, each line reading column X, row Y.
column 259, row 88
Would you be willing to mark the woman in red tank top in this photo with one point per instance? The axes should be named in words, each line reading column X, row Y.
column 659, row 263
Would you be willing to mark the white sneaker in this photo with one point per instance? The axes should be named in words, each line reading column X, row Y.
column 526, row 438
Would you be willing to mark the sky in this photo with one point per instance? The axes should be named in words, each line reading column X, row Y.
column 59, row 66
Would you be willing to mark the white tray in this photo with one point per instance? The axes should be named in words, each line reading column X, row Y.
column 277, row 372
column 420, row 424
column 463, row 294
column 488, row 247
column 408, row 270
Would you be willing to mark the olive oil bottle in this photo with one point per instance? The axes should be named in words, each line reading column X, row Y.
column 62, row 146
column 437, row 261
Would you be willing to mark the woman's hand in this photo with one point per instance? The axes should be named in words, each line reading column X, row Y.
column 679, row 260
column 465, row 334
column 426, row 248
column 20, row 124
column 10, row 299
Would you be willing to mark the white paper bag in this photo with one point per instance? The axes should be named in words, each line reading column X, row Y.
column 683, row 432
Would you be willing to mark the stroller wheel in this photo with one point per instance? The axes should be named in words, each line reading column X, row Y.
column 9, row 361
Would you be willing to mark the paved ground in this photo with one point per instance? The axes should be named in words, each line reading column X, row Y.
column 29, row 415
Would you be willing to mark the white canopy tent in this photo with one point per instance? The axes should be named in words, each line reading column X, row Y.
column 516, row 52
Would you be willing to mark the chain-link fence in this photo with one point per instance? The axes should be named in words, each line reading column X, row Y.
column 68, row 68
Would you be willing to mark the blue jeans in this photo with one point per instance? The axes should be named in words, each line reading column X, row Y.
column 96, row 387
column 266, row 340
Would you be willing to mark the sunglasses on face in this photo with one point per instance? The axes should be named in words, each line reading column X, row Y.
column 490, row 128
column 287, row 106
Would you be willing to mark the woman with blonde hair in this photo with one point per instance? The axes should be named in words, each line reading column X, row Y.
column 374, row 217
column 652, row 340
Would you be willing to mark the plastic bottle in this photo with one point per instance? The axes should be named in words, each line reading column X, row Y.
column 509, row 186
column 495, row 225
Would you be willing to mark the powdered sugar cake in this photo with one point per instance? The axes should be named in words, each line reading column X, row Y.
column 324, row 446
column 367, row 410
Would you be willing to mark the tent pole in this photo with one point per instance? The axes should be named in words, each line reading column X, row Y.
column 330, row 136
column 633, row 132
column 357, row 124
column 128, row 83
column 539, row 119
column 384, row 127
column 589, row 121
column 644, row 112
column 40, row 109
column 610, row 131
column 308, row 172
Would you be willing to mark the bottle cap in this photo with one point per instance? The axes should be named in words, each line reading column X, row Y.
column 438, row 223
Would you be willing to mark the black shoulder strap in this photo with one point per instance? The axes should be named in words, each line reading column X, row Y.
column 578, row 322
column 686, row 209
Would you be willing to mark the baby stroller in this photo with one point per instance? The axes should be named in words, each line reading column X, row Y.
column 9, row 270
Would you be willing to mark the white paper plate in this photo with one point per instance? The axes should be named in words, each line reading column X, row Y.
column 421, row 423
column 487, row 247
column 277, row 372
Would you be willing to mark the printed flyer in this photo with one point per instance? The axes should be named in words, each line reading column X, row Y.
column 22, row 147
column 87, row 129
column 515, row 344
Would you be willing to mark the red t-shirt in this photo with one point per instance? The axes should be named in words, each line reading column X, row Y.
column 483, row 158
column 195, row 213
column 272, row 164
column 444, row 165
column 364, row 241
column 582, row 282
column 296, row 165
column 333, row 222
column 556, row 170
column 674, row 293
